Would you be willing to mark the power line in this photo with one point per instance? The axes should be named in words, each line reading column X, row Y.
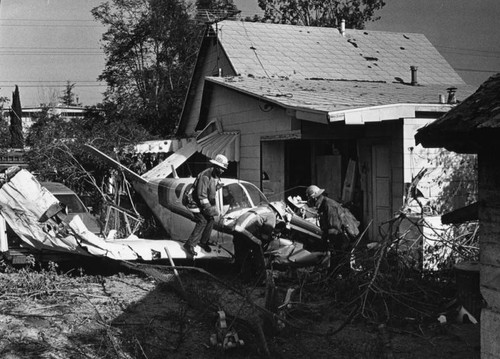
column 50, row 25
column 463, row 54
column 48, row 48
column 50, row 53
column 55, row 20
column 78, row 86
column 465, row 49
column 475, row 70
column 43, row 81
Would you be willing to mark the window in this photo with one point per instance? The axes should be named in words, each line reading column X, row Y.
column 72, row 202
column 234, row 198
column 255, row 194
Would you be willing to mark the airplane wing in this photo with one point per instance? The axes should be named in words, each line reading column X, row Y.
column 131, row 175
column 176, row 159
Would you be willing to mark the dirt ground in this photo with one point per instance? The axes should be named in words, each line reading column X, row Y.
column 55, row 313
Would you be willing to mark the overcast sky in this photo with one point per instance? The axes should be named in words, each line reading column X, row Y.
column 44, row 43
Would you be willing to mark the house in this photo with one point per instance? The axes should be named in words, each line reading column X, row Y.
column 31, row 114
column 474, row 127
column 326, row 106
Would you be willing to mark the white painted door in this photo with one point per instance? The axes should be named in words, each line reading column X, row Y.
column 381, row 185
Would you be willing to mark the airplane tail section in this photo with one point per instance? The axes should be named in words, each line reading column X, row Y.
column 131, row 175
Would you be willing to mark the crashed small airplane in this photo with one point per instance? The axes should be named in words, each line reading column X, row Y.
column 164, row 195
column 38, row 218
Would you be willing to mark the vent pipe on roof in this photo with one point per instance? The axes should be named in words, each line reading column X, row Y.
column 414, row 81
column 451, row 95
column 342, row 28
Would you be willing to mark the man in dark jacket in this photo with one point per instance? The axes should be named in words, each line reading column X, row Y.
column 254, row 230
column 330, row 222
column 206, row 185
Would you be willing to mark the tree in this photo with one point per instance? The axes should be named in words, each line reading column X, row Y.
column 4, row 124
column 68, row 97
column 215, row 10
column 151, row 47
column 458, row 180
column 326, row 13
column 56, row 147
column 16, row 124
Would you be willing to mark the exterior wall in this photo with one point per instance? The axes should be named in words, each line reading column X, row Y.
column 489, row 243
column 213, row 61
column 242, row 113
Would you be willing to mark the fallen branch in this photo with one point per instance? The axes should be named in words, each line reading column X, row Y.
column 228, row 286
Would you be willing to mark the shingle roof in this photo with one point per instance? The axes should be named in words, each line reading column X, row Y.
column 471, row 124
column 296, row 52
column 330, row 96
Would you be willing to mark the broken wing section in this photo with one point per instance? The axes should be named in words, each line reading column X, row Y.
column 26, row 207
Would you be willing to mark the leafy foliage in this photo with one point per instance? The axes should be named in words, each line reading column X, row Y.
column 458, row 179
column 151, row 47
column 215, row 10
column 4, row 124
column 56, row 147
column 326, row 13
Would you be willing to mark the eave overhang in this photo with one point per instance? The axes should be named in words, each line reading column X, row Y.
column 362, row 115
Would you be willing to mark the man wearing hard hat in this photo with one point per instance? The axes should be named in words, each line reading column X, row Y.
column 254, row 230
column 205, row 188
column 330, row 222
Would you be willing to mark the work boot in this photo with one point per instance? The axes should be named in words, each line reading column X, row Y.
column 189, row 249
column 205, row 247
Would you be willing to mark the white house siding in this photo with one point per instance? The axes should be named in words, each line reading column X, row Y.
column 210, row 67
column 242, row 113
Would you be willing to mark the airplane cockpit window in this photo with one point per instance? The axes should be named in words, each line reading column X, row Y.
column 234, row 198
column 255, row 194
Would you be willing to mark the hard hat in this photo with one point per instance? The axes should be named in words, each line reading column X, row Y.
column 313, row 191
column 279, row 207
column 221, row 161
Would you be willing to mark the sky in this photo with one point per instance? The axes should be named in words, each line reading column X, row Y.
column 45, row 43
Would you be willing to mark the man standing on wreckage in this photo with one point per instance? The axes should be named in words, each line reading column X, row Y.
column 205, row 188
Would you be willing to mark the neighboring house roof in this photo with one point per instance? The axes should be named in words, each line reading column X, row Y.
column 291, row 51
column 470, row 126
column 339, row 97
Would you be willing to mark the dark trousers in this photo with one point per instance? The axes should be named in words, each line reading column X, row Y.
column 202, row 229
column 248, row 258
column 340, row 249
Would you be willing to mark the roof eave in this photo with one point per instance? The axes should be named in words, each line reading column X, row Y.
column 362, row 115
